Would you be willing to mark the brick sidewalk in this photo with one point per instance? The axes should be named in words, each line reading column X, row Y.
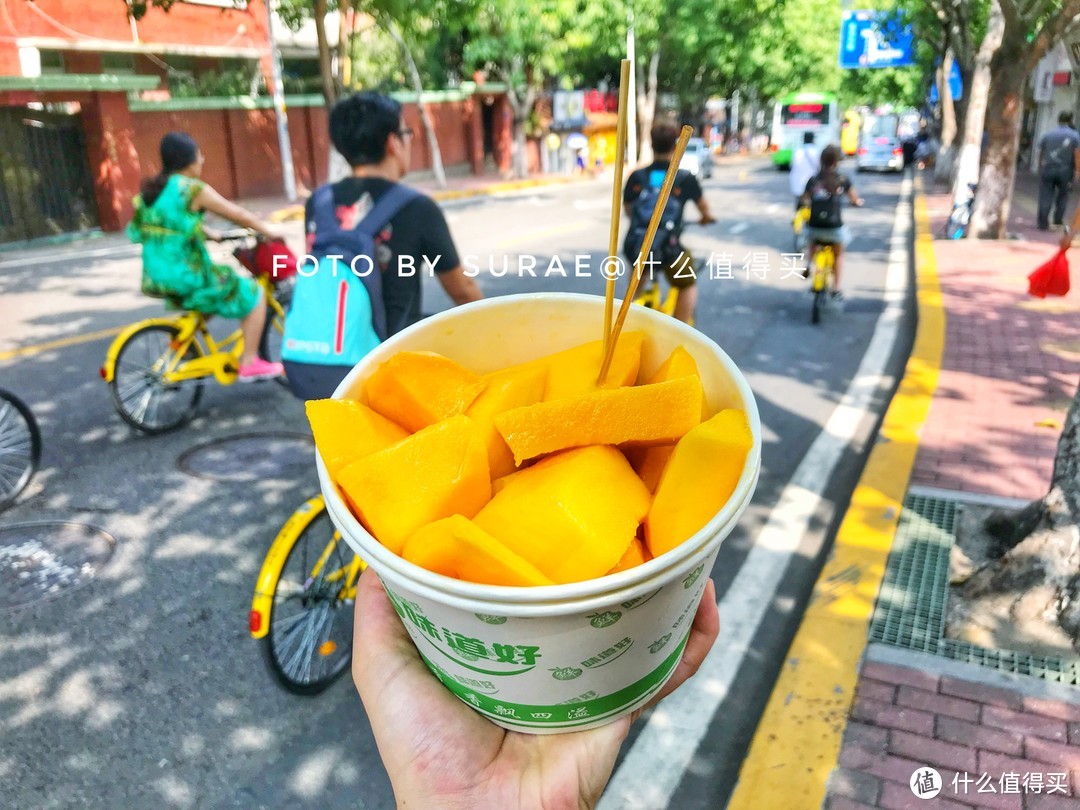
column 1010, row 362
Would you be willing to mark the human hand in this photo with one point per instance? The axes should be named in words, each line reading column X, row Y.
column 212, row 234
column 440, row 753
column 272, row 232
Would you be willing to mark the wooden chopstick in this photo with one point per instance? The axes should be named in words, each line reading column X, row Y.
column 616, row 197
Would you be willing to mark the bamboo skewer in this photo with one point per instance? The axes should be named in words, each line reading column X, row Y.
column 646, row 248
column 616, row 196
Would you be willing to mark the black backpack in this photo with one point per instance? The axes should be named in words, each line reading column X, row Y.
column 825, row 204
column 665, row 248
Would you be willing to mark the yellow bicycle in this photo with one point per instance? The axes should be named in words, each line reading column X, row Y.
column 302, row 610
column 798, row 229
column 156, row 368
column 822, row 281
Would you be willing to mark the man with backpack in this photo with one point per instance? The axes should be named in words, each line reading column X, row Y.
column 640, row 197
column 372, row 236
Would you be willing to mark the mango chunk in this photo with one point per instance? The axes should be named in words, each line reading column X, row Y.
column 644, row 414
column 634, row 556
column 437, row 472
column 417, row 389
column 512, row 388
column 456, row 547
column 575, row 370
column 499, row 484
column 680, row 363
column 698, row 480
column 649, row 462
column 345, row 430
column 572, row 515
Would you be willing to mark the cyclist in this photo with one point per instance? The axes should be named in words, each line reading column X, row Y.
column 640, row 197
column 334, row 320
column 168, row 222
column 823, row 193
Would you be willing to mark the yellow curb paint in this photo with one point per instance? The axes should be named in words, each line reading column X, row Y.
column 61, row 343
column 797, row 742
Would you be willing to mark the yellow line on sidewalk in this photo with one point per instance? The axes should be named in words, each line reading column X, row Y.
column 61, row 343
column 797, row 742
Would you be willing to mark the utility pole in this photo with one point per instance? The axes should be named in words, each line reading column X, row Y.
column 631, row 100
column 284, row 142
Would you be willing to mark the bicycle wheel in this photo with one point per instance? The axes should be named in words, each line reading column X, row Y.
column 818, row 305
column 141, row 397
column 309, row 642
column 274, row 331
column 20, row 447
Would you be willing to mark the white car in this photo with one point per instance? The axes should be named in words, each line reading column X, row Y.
column 879, row 145
column 697, row 159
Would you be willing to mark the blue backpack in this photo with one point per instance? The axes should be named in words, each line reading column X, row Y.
column 666, row 244
column 336, row 315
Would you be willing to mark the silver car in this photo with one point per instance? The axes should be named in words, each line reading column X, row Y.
column 879, row 145
column 697, row 159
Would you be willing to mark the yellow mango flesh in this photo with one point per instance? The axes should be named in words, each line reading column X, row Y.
column 680, row 363
column 345, row 430
column 456, row 547
column 634, row 556
column 572, row 515
column 437, row 472
column 698, row 480
column 499, row 484
column 575, row 370
column 644, row 414
column 418, row 389
column 649, row 463
column 503, row 391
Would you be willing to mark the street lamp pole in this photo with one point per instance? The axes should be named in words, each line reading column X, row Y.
column 284, row 143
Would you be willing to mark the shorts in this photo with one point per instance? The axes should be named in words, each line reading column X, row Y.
column 829, row 236
column 680, row 273
column 313, row 380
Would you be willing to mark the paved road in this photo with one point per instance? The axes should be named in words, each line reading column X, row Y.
column 143, row 688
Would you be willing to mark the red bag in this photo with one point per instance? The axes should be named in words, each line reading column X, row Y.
column 1051, row 278
column 260, row 260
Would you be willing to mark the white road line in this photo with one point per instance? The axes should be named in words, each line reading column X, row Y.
column 119, row 251
column 772, row 209
column 739, row 227
column 654, row 766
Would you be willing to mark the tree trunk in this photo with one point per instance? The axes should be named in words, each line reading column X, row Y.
column 425, row 114
column 947, row 151
column 1040, row 566
column 344, row 62
column 647, row 109
column 520, row 105
column 977, row 93
column 326, row 67
column 998, row 175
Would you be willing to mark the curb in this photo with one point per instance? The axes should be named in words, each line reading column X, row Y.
column 797, row 741
column 295, row 212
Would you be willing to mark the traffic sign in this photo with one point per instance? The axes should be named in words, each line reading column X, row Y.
column 875, row 39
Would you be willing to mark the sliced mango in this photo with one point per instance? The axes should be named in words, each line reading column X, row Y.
column 437, row 472
column 644, row 414
column 499, row 484
column 649, row 462
column 417, row 389
column 635, row 555
column 575, row 370
column 698, row 480
column 345, row 430
column 457, row 547
column 503, row 390
column 572, row 515
column 680, row 363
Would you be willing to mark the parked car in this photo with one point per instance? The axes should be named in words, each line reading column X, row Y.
column 879, row 145
column 697, row 159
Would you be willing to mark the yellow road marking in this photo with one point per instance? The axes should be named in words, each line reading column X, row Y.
column 797, row 742
column 74, row 340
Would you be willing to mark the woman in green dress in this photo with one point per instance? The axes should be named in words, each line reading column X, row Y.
column 168, row 222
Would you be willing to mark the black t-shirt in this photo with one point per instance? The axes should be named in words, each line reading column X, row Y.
column 686, row 187
column 826, row 192
column 419, row 229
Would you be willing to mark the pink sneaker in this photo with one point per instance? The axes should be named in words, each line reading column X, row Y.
column 259, row 369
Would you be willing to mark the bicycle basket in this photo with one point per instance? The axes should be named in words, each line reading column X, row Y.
column 260, row 260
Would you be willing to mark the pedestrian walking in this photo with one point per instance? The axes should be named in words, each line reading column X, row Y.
column 805, row 163
column 1059, row 163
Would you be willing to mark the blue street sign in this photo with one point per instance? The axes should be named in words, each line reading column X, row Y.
column 956, row 85
column 875, row 39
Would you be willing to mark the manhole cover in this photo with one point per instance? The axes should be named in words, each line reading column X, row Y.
column 43, row 560
column 251, row 457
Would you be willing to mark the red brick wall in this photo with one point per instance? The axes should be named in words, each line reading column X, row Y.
column 184, row 23
column 208, row 127
column 253, row 134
